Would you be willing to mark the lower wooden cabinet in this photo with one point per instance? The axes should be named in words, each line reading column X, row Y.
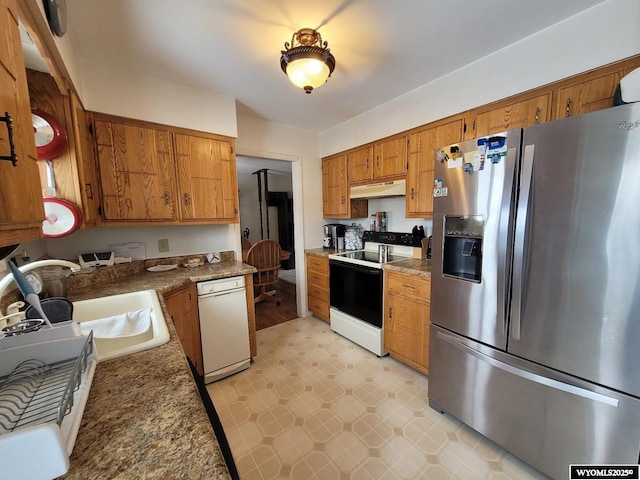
column 318, row 285
column 183, row 308
column 407, row 317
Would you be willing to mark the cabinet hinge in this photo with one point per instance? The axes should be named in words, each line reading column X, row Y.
column 91, row 128
column 464, row 128
column 231, row 149
column 100, row 210
column 407, row 165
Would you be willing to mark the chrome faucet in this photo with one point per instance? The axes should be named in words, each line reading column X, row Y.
column 4, row 283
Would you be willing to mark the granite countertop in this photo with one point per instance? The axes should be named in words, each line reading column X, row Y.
column 323, row 252
column 413, row 266
column 144, row 417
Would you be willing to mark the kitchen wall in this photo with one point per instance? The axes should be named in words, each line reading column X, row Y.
column 603, row 34
column 396, row 221
column 183, row 240
column 156, row 100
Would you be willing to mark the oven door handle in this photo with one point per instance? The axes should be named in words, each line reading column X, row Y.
column 354, row 266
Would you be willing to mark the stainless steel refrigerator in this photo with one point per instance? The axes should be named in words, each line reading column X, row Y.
column 535, row 303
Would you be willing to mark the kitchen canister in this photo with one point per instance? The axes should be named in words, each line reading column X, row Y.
column 353, row 237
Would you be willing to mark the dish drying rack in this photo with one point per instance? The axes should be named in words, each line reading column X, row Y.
column 42, row 399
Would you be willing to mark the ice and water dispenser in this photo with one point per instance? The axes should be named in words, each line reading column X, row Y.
column 462, row 252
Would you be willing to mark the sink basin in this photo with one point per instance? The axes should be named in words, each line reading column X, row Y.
column 102, row 307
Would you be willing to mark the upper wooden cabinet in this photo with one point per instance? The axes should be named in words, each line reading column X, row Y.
column 516, row 112
column 360, row 164
column 74, row 169
column 207, row 178
column 383, row 160
column 151, row 173
column 335, row 190
column 422, row 143
column 587, row 96
column 136, row 171
column 21, row 207
column 591, row 91
column 390, row 158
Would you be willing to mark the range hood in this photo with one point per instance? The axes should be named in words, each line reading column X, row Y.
column 378, row 190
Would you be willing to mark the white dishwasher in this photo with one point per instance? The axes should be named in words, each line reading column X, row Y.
column 224, row 327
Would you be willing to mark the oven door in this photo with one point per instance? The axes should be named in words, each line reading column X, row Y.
column 356, row 290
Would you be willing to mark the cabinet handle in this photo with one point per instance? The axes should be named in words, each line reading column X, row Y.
column 390, row 313
column 377, row 160
column 167, row 198
column 187, row 199
column 367, row 164
column 342, row 200
column 13, row 156
column 412, row 193
column 89, row 190
column 567, row 111
column 538, row 111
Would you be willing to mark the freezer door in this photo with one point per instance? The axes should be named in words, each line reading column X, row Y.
column 546, row 418
column 472, row 224
column 576, row 283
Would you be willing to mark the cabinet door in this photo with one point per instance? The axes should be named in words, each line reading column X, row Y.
column 318, row 286
column 136, row 172
column 74, row 169
column 390, row 158
column 86, row 163
column 513, row 115
column 183, row 308
column 407, row 316
column 207, row 179
column 419, row 200
column 587, row 96
column 360, row 163
column 21, row 207
column 335, row 191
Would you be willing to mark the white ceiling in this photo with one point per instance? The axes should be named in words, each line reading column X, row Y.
column 383, row 48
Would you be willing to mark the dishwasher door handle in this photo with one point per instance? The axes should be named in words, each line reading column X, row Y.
column 220, row 294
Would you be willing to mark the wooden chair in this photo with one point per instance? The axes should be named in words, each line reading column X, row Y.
column 265, row 256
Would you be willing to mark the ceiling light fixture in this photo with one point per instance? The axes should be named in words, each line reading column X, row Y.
column 307, row 61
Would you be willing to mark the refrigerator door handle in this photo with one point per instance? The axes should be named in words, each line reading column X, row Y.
column 520, row 255
column 505, row 226
column 530, row 376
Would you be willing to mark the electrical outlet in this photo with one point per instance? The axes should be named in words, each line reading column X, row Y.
column 163, row 245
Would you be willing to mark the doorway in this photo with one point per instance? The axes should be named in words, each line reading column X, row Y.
column 266, row 212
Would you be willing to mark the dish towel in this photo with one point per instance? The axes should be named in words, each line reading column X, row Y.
column 125, row 325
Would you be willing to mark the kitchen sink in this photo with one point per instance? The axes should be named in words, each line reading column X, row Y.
column 113, row 305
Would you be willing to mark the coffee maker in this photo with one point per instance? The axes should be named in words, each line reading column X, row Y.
column 333, row 236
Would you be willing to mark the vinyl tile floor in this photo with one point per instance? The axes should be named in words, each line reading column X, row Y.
column 314, row 405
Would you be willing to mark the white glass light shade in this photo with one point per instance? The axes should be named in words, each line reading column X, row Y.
column 308, row 72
